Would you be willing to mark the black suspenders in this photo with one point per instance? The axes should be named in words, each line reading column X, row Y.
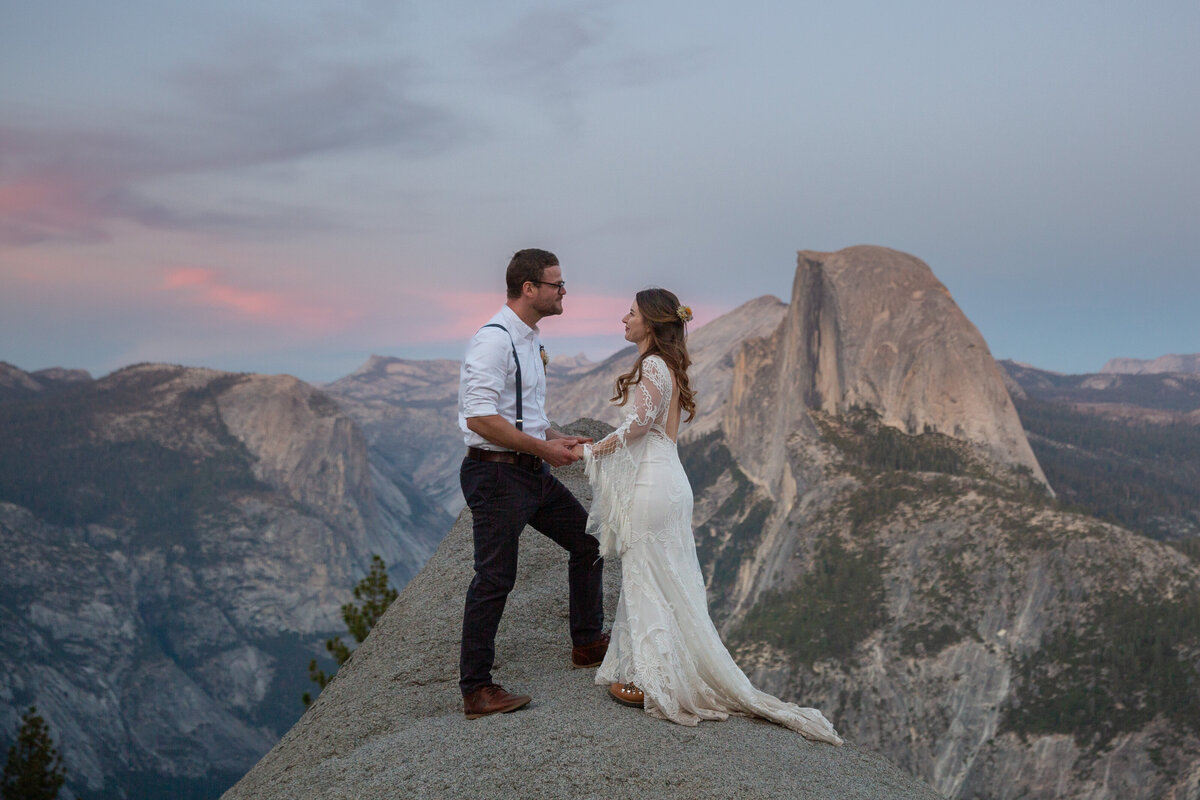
column 517, row 361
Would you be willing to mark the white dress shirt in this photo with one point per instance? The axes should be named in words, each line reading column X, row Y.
column 488, row 378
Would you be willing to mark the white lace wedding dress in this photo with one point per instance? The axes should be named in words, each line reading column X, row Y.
column 662, row 637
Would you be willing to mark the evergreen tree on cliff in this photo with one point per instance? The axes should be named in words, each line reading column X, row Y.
column 34, row 767
column 376, row 594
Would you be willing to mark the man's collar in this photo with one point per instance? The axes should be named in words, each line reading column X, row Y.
column 517, row 325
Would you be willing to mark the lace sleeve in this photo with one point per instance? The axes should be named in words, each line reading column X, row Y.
column 612, row 463
column 651, row 397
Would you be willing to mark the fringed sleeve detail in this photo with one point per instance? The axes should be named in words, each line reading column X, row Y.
column 612, row 463
column 612, row 481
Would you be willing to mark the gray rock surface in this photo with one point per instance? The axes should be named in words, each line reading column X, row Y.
column 391, row 723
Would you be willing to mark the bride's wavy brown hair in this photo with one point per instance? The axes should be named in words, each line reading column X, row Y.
column 667, row 339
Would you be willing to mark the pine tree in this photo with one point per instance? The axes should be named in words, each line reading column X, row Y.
column 34, row 767
column 376, row 595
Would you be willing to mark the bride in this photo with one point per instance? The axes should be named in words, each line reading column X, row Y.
column 665, row 653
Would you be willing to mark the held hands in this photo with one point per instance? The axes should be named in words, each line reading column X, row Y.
column 563, row 450
column 555, row 449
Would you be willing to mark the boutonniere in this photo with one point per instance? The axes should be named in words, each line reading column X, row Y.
column 545, row 358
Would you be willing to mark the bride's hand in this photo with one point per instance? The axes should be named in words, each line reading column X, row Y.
column 571, row 441
column 577, row 450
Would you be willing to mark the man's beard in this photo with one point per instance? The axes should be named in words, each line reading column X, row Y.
column 550, row 308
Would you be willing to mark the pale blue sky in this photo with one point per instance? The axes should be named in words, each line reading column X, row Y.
column 293, row 186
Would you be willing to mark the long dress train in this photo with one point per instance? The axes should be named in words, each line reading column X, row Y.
column 663, row 639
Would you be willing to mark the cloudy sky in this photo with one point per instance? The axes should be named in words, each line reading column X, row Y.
column 292, row 186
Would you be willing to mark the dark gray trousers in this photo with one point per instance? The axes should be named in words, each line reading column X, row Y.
column 503, row 499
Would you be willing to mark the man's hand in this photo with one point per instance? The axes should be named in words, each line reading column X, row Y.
column 551, row 433
column 557, row 452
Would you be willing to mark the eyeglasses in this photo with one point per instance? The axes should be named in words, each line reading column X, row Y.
column 560, row 285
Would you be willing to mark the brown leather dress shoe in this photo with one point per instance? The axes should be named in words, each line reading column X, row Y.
column 590, row 655
column 492, row 699
column 627, row 694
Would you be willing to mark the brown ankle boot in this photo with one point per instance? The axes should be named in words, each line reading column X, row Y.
column 627, row 694
column 492, row 699
column 589, row 655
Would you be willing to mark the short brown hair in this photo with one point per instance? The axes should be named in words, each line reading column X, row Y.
column 527, row 265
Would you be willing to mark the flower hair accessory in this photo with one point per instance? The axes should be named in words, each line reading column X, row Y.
column 684, row 313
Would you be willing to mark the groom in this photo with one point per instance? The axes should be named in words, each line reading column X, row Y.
column 507, row 483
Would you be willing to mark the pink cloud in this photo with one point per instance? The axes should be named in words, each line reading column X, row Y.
column 206, row 287
column 188, row 276
column 38, row 208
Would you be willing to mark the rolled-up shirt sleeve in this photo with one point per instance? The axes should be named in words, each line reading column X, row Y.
column 485, row 370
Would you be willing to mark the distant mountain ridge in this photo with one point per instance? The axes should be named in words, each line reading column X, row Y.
column 16, row 382
column 576, row 363
column 1137, row 366
column 1159, row 397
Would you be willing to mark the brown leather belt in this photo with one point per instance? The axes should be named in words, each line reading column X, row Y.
column 526, row 460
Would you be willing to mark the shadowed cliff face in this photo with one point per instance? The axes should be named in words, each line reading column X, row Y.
column 391, row 723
